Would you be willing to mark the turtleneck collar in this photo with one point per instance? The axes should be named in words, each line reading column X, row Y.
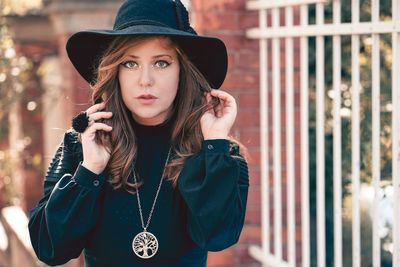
column 163, row 129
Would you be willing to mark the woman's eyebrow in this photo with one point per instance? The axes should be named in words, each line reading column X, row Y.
column 164, row 55
column 132, row 56
column 157, row 56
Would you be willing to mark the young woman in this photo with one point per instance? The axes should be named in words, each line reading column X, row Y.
column 149, row 175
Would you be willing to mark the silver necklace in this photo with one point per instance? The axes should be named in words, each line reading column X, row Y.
column 145, row 244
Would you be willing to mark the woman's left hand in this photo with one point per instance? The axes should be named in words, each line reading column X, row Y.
column 216, row 123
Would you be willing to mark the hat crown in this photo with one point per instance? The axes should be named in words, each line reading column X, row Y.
column 166, row 13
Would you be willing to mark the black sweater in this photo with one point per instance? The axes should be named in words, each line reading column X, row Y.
column 81, row 211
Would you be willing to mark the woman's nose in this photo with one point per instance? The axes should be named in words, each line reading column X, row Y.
column 146, row 76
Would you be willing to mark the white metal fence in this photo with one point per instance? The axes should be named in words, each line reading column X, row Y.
column 302, row 31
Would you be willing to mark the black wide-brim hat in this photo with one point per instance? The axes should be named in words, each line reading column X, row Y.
column 150, row 17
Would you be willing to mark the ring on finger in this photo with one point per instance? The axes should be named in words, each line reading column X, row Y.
column 80, row 122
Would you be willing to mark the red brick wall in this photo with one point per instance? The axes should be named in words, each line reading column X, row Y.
column 227, row 20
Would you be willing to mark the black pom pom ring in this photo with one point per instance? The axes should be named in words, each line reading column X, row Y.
column 80, row 122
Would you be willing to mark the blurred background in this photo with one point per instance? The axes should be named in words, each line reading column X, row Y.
column 40, row 92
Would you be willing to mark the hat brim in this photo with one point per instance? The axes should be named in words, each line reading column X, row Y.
column 208, row 54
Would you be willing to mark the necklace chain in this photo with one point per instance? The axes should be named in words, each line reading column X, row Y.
column 155, row 199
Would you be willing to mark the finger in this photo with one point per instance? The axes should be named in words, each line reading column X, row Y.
column 224, row 96
column 95, row 108
column 100, row 115
column 98, row 126
column 221, row 94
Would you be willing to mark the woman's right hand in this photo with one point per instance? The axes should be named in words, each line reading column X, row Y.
column 95, row 156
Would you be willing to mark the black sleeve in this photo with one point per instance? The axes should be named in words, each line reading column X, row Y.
column 214, row 185
column 60, row 223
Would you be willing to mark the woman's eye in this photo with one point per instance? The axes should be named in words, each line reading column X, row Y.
column 162, row 64
column 130, row 64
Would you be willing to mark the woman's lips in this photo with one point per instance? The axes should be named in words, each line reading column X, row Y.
column 147, row 99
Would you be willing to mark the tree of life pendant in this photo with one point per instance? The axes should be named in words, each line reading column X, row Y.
column 145, row 245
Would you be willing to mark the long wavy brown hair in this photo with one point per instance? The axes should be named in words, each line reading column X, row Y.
column 188, row 107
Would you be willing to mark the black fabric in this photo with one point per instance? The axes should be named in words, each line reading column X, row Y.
column 81, row 211
column 156, row 17
column 145, row 11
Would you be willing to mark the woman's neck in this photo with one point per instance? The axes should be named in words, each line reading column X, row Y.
column 150, row 131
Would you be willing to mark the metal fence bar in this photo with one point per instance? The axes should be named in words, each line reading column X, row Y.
column 305, row 172
column 290, row 182
column 262, row 4
column 327, row 30
column 355, row 136
column 277, row 138
column 320, row 94
column 376, row 245
column 319, row 30
column 337, row 136
column 264, row 136
column 396, row 135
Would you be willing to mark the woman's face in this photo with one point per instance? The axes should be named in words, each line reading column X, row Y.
column 149, row 77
